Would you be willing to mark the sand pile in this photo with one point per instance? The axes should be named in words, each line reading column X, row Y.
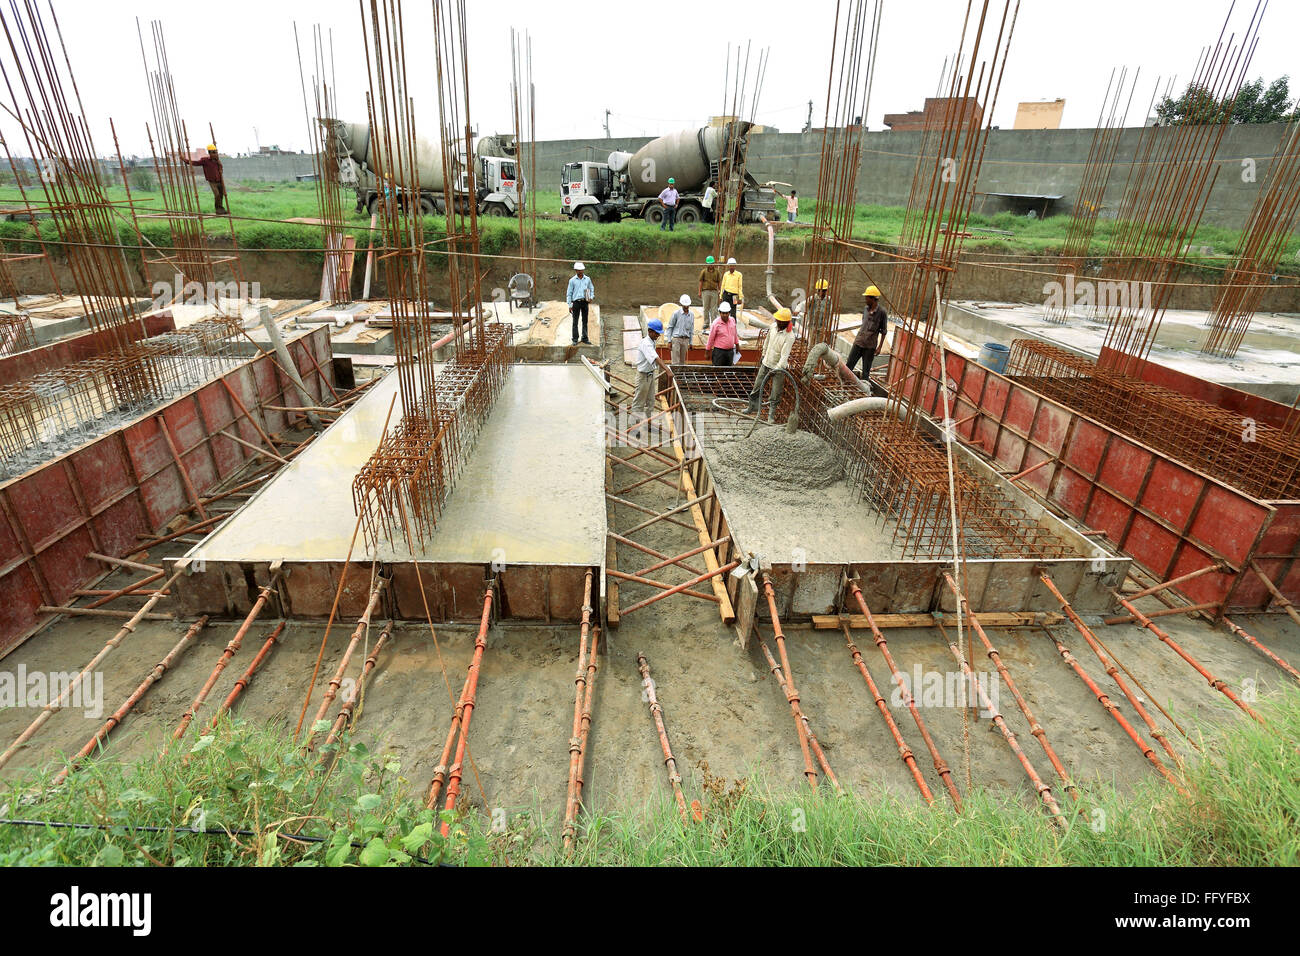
column 773, row 457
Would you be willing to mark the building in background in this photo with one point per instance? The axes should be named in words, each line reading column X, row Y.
column 1041, row 114
column 937, row 108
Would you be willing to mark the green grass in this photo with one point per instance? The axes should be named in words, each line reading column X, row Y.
column 1243, row 809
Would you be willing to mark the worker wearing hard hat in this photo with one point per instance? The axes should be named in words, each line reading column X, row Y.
column 681, row 329
column 819, row 312
column 724, row 340
column 579, row 295
column 871, row 334
column 648, row 364
column 669, row 199
column 211, row 164
column 776, row 358
column 733, row 287
column 710, row 281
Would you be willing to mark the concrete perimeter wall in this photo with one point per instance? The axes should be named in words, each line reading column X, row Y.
column 1048, row 161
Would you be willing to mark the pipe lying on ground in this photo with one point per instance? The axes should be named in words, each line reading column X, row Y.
column 945, row 774
column 1043, row 790
column 1261, row 648
column 363, row 625
column 231, row 648
column 807, row 739
column 460, row 719
column 904, row 751
column 1173, row 645
column 344, row 717
column 247, row 677
column 575, row 738
column 1102, row 698
column 585, row 733
column 1111, row 670
column 137, row 695
column 56, row 705
column 1035, row 728
column 657, row 713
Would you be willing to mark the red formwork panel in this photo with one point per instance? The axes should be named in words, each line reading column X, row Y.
column 1170, row 518
column 104, row 495
column 73, row 348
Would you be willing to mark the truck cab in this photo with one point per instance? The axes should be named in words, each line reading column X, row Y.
column 586, row 191
column 499, row 185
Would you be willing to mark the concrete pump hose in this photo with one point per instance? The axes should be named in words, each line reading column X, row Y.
column 857, row 407
column 822, row 352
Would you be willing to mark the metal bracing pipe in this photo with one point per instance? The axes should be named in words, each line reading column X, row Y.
column 575, row 738
column 1035, row 727
column 657, row 714
column 1043, row 790
column 465, row 710
column 288, row 366
column 945, row 774
column 904, row 751
column 1181, row 579
column 1213, row 681
column 363, row 625
column 349, row 705
column 226, row 655
column 585, row 733
column 1261, row 648
column 247, row 677
column 1111, row 669
column 137, row 695
column 807, row 739
column 1104, row 699
column 50, row 709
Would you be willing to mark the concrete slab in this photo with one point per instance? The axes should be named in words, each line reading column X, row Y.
column 1268, row 363
column 532, row 494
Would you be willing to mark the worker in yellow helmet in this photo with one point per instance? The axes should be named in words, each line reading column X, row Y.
column 820, row 311
column 211, row 164
column 871, row 334
column 776, row 357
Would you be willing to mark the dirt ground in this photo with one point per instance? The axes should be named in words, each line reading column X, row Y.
column 720, row 703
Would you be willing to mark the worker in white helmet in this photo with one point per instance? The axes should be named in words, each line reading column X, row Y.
column 579, row 295
column 681, row 330
column 871, row 334
column 733, row 287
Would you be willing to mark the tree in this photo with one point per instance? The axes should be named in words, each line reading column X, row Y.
column 1253, row 104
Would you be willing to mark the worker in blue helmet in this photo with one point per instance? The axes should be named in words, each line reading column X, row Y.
column 648, row 364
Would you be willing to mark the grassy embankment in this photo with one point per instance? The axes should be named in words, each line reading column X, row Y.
column 1243, row 809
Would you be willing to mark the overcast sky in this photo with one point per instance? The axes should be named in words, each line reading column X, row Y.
column 656, row 66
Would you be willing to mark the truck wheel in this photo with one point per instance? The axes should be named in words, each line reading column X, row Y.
column 426, row 206
column 495, row 209
column 689, row 214
column 586, row 214
column 372, row 206
column 654, row 214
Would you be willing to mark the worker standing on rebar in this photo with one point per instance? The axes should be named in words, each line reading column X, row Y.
column 776, row 357
column 820, row 312
column 648, row 364
column 681, row 330
column 710, row 281
column 871, row 334
column 211, row 164
column 733, row 287
column 723, row 338
column 668, row 199
column 580, row 293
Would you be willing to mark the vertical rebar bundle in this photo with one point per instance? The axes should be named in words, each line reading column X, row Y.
column 848, row 99
column 523, row 101
column 732, row 177
column 1170, row 179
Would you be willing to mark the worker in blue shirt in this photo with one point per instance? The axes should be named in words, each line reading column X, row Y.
column 579, row 296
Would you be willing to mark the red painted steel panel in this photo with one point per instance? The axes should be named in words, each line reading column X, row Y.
column 1050, row 427
column 1107, row 513
column 45, row 504
column 102, row 472
column 1172, row 492
column 1124, row 468
column 11, row 548
column 1283, row 534
column 117, row 525
column 1086, row 447
column 1010, row 450
column 20, row 596
column 1020, row 409
column 1071, row 492
column 1208, row 587
column 1150, row 544
column 64, row 564
column 1038, row 480
column 1228, row 524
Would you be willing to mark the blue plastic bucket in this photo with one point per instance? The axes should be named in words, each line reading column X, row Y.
column 993, row 356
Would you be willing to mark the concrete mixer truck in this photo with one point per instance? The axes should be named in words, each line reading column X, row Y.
column 497, row 185
column 629, row 184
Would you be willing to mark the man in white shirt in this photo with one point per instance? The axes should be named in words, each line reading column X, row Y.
column 776, row 357
column 648, row 364
column 580, row 292
column 681, row 329
column 668, row 199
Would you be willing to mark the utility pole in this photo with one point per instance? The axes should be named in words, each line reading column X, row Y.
column 607, row 124
column 807, row 127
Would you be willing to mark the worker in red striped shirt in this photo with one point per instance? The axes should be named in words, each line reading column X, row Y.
column 211, row 165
